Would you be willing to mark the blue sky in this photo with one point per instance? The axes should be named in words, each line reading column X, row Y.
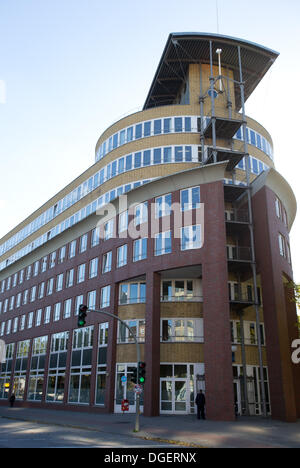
column 70, row 68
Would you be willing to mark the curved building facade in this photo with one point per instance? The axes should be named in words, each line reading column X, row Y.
column 181, row 229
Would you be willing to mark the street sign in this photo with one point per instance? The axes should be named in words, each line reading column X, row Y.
column 124, row 379
column 138, row 389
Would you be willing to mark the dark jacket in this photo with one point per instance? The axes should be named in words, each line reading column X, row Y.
column 200, row 399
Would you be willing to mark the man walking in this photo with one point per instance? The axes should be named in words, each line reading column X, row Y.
column 12, row 400
column 200, row 402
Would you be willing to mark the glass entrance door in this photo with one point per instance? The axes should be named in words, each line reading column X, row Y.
column 175, row 396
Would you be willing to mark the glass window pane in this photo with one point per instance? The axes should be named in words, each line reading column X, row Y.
column 157, row 127
column 147, row 158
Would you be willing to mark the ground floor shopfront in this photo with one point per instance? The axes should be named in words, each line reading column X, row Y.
column 178, row 386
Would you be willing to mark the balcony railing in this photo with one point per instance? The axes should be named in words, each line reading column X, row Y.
column 181, row 298
column 239, row 253
column 241, row 296
column 237, row 216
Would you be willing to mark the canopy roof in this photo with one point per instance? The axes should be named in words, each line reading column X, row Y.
column 185, row 48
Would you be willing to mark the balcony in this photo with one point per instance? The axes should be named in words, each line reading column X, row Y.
column 238, row 254
column 237, row 216
column 240, row 299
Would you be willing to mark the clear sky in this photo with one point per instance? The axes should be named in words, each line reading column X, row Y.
column 70, row 68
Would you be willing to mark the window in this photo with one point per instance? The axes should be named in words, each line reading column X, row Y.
column 59, row 282
column 72, row 249
column 78, row 302
column 190, row 198
column 62, row 255
column 181, row 290
column 105, row 297
column 167, row 154
column 106, row 263
column 281, row 242
column 178, row 124
column 93, row 272
column 81, row 362
column 146, row 158
column 140, row 249
column 191, row 237
column 132, row 293
column 157, row 156
column 35, row 269
column 141, row 213
column 167, row 125
column 91, row 300
column 50, row 284
column 57, row 367
column 57, row 308
column 70, row 278
column 163, row 206
column 178, row 154
column 52, row 260
column 37, row 367
column 137, row 327
column 138, row 131
column 163, row 243
column 157, row 127
column 30, row 320
column 182, row 329
column 95, row 237
column 81, row 273
column 47, row 316
column 123, row 221
column 38, row 317
column 83, row 243
column 109, row 229
column 278, row 208
column 67, row 308
column 122, row 256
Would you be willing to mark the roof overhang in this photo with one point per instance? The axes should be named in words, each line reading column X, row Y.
column 183, row 49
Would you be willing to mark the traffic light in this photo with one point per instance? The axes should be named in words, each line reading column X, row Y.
column 142, row 373
column 82, row 315
column 133, row 378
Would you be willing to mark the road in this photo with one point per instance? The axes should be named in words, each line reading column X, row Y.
column 21, row 434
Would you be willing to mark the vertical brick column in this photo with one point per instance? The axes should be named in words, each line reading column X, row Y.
column 278, row 312
column 111, row 351
column 152, row 345
column 216, row 312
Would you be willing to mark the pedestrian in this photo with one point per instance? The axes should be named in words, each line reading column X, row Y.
column 12, row 400
column 200, row 402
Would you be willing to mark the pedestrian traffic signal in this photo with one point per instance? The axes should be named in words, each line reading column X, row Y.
column 82, row 315
column 142, row 373
column 134, row 377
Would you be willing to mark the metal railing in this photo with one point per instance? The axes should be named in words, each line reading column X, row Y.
column 239, row 253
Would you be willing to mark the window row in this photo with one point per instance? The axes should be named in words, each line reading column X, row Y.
column 179, row 124
column 81, row 364
column 163, row 155
column 55, row 313
column 189, row 199
column 146, row 129
column 71, row 221
column 256, row 139
column 250, row 332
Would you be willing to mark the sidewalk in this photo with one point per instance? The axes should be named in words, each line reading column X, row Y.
column 185, row 430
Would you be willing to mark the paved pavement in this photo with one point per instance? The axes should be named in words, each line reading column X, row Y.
column 183, row 430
